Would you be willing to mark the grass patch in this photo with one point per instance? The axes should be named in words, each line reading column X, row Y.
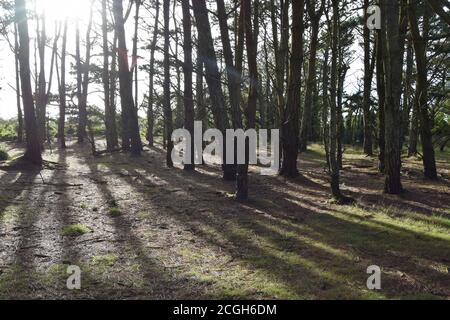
column 105, row 260
column 75, row 230
column 114, row 211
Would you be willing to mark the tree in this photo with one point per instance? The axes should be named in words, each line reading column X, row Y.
column 62, row 91
column 314, row 17
column 150, row 111
column 187, row 68
column 334, row 165
column 16, row 64
column 290, row 114
column 131, row 139
column 33, row 147
column 368, row 75
column 420, row 47
column 84, row 74
column 41, row 100
column 168, row 121
column 110, row 111
column 392, row 59
column 212, row 75
column 250, row 110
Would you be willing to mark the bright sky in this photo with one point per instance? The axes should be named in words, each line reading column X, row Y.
column 56, row 11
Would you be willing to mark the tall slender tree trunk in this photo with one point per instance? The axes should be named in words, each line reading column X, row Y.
column 33, row 147
column 110, row 113
column 407, row 92
column 334, row 165
column 82, row 104
column 420, row 45
column 187, row 67
column 130, row 123
column 134, row 58
column 393, row 76
column 306, row 122
column 62, row 91
column 368, row 75
column 168, row 121
column 290, row 115
column 233, row 75
column 381, row 100
column 113, row 86
column 16, row 64
column 250, row 110
column 150, row 111
column 41, row 100
column 326, row 105
column 212, row 75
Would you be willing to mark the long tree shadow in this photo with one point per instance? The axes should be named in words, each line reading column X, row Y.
column 217, row 222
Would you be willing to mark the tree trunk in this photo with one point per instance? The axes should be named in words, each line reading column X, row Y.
column 334, row 165
column 150, row 112
column 41, row 100
column 305, row 128
column 368, row 75
column 62, row 91
column 233, row 75
column 33, row 147
column 187, row 68
column 407, row 92
column 207, row 53
column 420, row 45
column 250, row 111
column 110, row 113
column 168, row 122
column 393, row 76
column 381, row 101
column 16, row 64
column 82, row 104
column 130, row 123
column 326, row 105
column 290, row 115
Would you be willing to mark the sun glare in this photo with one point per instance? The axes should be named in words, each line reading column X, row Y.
column 61, row 9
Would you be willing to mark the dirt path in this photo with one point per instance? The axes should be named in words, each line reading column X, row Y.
column 146, row 231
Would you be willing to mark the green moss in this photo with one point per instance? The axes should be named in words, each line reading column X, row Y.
column 75, row 230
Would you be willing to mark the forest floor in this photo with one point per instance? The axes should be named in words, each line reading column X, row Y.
column 139, row 230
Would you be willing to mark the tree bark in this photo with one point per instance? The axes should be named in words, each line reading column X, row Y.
column 420, row 45
column 150, row 112
column 305, row 128
column 130, row 123
column 290, row 115
column 368, row 75
column 187, row 68
column 334, row 165
column 212, row 75
column 33, row 147
column 62, row 91
column 250, row 110
column 393, row 76
column 110, row 112
column 18, row 98
column 82, row 104
column 381, row 101
column 168, row 122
